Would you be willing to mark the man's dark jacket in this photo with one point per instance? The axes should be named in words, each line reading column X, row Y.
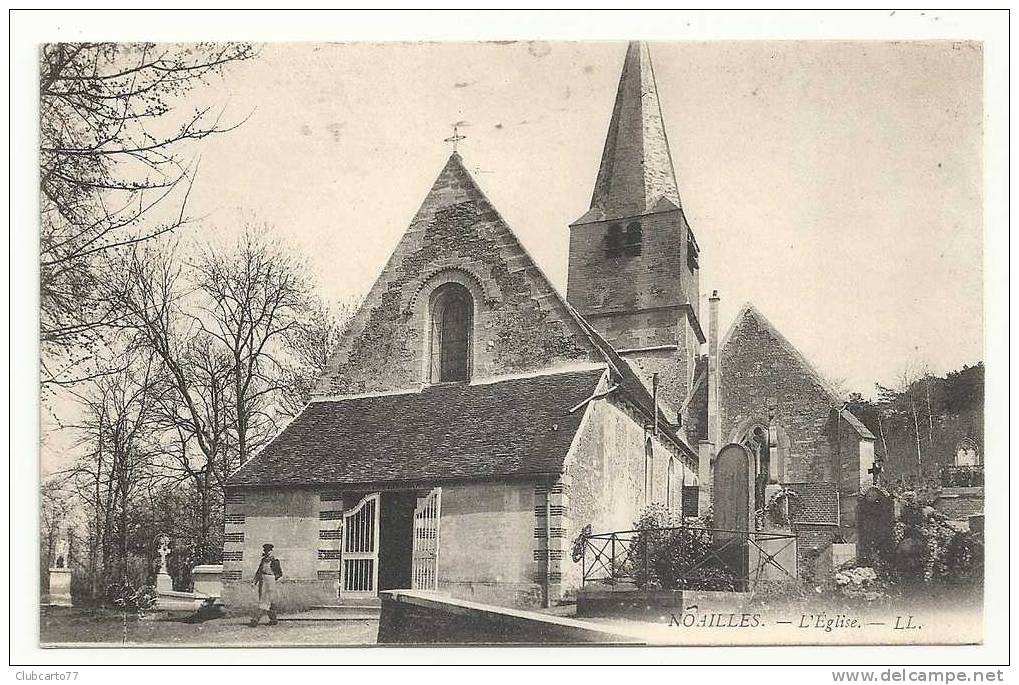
column 274, row 564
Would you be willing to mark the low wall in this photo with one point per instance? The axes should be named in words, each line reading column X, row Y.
column 654, row 605
column 413, row 617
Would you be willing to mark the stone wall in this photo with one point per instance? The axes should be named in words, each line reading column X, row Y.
column 958, row 504
column 642, row 301
column 490, row 538
column 816, row 518
column 519, row 322
column 761, row 375
column 611, row 290
column 289, row 519
column 813, row 549
column 491, row 543
column 676, row 367
column 415, row 618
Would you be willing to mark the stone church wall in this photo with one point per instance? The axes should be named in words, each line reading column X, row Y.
column 492, row 537
column 759, row 376
column 489, row 538
column 289, row 519
column 757, row 371
column 600, row 284
column 605, row 478
column 519, row 323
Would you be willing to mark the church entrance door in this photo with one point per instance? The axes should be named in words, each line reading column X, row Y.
column 425, row 556
column 360, row 567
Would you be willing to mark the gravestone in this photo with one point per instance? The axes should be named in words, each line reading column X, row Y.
column 208, row 579
column 875, row 519
column 733, row 487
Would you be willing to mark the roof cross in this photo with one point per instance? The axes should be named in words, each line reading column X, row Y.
column 455, row 138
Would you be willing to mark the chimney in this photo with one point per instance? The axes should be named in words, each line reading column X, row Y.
column 709, row 447
column 713, row 425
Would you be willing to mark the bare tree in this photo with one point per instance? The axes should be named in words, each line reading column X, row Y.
column 115, row 170
column 254, row 298
column 312, row 345
column 221, row 327
column 928, row 379
column 195, row 412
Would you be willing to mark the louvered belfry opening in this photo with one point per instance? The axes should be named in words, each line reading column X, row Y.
column 452, row 321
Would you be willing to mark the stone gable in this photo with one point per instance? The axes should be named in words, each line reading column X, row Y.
column 759, row 367
column 521, row 323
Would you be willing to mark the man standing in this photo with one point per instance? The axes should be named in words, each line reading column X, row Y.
column 266, row 576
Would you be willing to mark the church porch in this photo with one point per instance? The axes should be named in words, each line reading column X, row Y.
column 476, row 541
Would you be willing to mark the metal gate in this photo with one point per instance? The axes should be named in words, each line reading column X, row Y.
column 360, row 568
column 425, row 554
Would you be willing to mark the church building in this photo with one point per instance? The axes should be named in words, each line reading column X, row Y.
column 474, row 421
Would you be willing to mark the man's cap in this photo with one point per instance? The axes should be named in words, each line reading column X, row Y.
column 267, row 547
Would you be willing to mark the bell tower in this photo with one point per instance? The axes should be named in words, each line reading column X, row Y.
column 634, row 263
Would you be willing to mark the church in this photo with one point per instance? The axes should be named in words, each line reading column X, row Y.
column 474, row 421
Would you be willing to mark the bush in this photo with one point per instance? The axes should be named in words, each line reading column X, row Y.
column 859, row 582
column 670, row 558
column 929, row 550
column 135, row 599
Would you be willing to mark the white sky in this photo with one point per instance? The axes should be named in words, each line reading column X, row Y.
column 837, row 185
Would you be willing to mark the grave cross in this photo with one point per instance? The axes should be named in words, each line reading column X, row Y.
column 875, row 470
column 164, row 550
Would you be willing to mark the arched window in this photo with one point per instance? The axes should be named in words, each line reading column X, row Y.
column 632, row 239
column 756, row 442
column 967, row 453
column 620, row 243
column 452, row 322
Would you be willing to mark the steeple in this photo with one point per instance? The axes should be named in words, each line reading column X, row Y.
column 634, row 262
column 636, row 168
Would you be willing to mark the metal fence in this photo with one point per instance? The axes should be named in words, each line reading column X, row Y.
column 684, row 557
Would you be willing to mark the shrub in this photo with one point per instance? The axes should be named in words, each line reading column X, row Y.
column 860, row 582
column 135, row 599
column 668, row 557
column 929, row 550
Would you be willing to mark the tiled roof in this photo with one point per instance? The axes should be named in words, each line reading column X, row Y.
column 508, row 428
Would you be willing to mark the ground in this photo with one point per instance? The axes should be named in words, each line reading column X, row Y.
column 74, row 626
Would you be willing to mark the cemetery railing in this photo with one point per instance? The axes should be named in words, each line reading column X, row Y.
column 699, row 558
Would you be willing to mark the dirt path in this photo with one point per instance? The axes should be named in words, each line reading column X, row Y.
column 99, row 627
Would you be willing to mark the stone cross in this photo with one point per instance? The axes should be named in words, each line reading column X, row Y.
column 164, row 550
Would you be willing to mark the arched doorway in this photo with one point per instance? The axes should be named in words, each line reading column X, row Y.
column 733, row 489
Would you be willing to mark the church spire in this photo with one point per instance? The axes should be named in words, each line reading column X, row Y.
column 636, row 167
